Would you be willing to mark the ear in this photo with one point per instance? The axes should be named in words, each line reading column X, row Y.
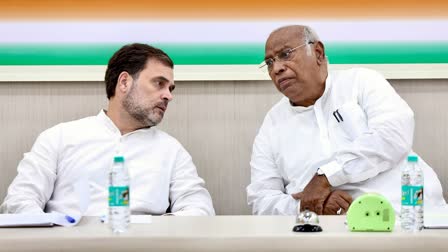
column 124, row 82
column 319, row 49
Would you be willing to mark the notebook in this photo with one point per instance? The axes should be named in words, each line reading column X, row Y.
column 38, row 220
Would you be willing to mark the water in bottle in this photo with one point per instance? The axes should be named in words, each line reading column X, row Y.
column 418, row 196
column 411, row 196
column 119, row 212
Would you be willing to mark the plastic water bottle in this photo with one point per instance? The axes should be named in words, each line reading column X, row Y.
column 418, row 185
column 119, row 212
column 412, row 196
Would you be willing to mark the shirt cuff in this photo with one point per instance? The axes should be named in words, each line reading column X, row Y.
column 334, row 173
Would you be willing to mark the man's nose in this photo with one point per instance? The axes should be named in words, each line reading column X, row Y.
column 167, row 95
column 278, row 67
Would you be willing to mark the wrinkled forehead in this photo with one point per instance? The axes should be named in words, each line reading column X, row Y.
column 281, row 39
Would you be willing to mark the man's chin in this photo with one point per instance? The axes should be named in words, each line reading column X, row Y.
column 155, row 121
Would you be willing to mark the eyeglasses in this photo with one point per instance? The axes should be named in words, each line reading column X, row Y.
column 282, row 56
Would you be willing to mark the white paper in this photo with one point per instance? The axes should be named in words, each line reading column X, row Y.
column 38, row 220
column 436, row 217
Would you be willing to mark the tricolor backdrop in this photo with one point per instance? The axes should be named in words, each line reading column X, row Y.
column 221, row 33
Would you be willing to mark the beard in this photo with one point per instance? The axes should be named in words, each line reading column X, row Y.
column 145, row 115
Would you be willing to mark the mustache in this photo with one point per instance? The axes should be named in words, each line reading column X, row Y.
column 163, row 105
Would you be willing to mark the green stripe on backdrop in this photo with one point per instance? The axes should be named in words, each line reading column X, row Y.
column 215, row 54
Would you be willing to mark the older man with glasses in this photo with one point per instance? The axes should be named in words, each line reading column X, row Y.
column 333, row 137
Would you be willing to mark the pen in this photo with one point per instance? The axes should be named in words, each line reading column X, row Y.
column 338, row 116
column 70, row 219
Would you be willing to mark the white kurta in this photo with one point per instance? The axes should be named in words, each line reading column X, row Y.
column 362, row 152
column 162, row 174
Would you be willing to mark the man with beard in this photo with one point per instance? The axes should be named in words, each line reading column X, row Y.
column 163, row 178
column 334, row 136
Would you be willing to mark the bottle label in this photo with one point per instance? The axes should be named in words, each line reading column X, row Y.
column 412, row 195
column 118, row 196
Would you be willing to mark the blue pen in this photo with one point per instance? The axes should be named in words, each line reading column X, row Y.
column 70, row 219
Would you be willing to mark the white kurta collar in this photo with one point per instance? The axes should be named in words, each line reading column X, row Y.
column 106, row 121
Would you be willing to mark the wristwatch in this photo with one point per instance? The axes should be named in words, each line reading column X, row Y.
column 320, row 172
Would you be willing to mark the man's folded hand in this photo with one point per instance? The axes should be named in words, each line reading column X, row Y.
column 337, row 202
column 314, row 195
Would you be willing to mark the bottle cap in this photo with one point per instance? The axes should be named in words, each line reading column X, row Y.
column 119, row 159
column 412, row 158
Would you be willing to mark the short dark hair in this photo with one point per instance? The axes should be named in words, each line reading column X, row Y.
column 132, row 58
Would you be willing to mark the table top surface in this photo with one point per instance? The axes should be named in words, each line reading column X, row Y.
column 219, row 233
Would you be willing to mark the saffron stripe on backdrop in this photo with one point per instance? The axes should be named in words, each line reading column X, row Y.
column 230, row 9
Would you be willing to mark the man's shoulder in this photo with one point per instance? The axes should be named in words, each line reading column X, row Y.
column 78, row 124
column 352, row 80
column 281, row 106
column 69, row 128
column 280, row 110
column 74, row 124
column 353, row 73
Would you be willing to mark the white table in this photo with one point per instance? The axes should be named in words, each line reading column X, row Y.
column 220, row 233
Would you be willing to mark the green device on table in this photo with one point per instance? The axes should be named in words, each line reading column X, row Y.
column 371, row 213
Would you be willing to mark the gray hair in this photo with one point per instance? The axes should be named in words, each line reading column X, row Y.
column 309, row 35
